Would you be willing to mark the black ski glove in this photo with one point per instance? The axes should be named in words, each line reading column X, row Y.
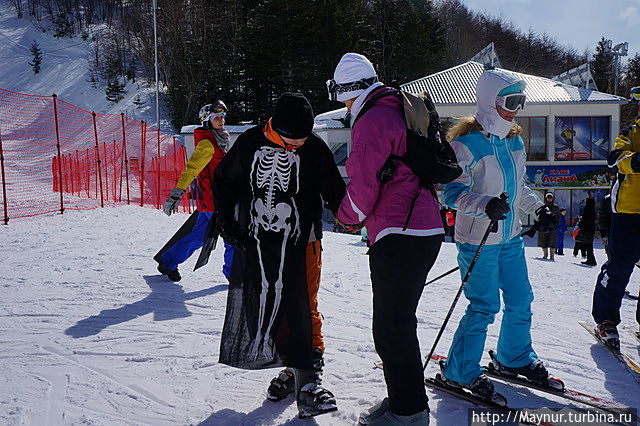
column 231, row 231
column 497, row 208
column 635, row 162
column 546, row 220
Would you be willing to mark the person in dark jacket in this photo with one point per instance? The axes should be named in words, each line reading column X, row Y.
column 269, row 190
column 547, row 240
column 587, row 225
column 560, row 231
column 604, row 221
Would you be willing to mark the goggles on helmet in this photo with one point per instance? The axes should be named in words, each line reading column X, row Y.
column 334, row 88
column 635, row 93
column 215, row 115
column 512, row 102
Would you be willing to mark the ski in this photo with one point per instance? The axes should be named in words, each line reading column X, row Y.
column 512, row 414
column 435, row 358
column 632, row 366
column 570, row 394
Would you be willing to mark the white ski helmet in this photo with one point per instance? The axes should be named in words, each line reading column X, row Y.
column 218, row 107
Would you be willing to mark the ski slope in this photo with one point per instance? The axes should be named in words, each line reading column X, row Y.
column 91, row 334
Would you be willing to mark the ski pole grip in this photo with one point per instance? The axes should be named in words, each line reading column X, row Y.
column 493, row 226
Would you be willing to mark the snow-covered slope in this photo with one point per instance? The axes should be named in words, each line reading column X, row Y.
column 65, row 70
column 91, row 334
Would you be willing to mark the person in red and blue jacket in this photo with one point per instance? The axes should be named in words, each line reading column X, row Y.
column 211, row 141
column 404, row 229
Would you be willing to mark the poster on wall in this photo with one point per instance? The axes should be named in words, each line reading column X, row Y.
column 582, row 138
column 569, row 176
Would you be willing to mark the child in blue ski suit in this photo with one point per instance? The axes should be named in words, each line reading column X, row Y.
column 561, row 230
column 492, row 156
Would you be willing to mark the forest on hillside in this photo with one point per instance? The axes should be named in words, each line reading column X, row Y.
column 247, row 52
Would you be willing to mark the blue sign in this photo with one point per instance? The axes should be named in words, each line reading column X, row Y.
column 569, row 176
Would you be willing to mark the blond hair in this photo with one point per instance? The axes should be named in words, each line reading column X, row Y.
column 466, row 124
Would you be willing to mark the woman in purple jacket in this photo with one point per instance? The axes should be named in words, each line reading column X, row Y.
column 404, row 229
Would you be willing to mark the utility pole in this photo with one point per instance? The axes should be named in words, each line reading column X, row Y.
column 155, row 48
column 617, row 51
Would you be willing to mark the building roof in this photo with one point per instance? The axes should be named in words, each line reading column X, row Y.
column 457, row 86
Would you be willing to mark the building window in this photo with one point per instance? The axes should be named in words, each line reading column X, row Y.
column 582, row 138
column 534, row 135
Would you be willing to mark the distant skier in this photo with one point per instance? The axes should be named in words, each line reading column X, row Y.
column 492, row 155
column 211, row 141
column 547, row 240
column 560, row 231
column 624, row 233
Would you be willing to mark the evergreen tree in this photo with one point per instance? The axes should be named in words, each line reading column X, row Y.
column 139, row 103
column 37, row 57
column 602, row 67
column 115, row 89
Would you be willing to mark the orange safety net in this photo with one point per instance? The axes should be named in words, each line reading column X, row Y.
column 56, row 156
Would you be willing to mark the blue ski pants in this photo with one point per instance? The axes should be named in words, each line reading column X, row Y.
column 624, row 253
column 191, row 240
column 499, row 267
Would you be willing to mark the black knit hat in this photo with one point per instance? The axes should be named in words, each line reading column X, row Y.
column 292, row 116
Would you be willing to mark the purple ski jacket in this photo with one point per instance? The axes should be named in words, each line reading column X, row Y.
column 384, row 209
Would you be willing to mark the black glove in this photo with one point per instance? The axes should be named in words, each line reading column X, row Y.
column 531, row 232
column 231, row 231
column 635, row 162
column 546, row 220
column 496, row 208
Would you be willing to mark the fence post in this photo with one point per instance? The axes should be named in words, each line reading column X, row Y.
column 105, row 159
column 55, row 115
column 175, row 157
column 78, row 174
column 143, row 141
column 126, row 158
column 95, row 134
column 158, row 177
column 4, row 185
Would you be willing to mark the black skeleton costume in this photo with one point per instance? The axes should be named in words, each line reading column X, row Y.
column 275, row 194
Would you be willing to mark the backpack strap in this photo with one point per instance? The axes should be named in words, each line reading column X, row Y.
column 369, row 103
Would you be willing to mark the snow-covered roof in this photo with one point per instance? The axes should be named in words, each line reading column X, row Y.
column 457, row 86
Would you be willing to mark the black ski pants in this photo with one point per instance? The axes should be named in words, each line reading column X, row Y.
column 399, row 265
column 624, row 253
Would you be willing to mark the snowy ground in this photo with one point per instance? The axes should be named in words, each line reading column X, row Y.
column 91, row 334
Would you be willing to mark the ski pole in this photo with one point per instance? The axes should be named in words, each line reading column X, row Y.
column 493, row 227
column 443, row 275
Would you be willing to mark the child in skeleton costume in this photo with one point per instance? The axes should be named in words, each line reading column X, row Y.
column 269, row 190
column 211, row 141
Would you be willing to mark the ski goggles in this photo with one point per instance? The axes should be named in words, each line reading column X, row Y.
column 635, row 93
column 512, row 102
column 334, row 88
column 215, row 115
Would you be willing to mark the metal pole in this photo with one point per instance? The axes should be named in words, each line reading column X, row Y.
column 55, row 116
column 158, row 176
column 141, row 163
column 95, row 133
column 4, row 185
column 155, row 52
column 126, row 159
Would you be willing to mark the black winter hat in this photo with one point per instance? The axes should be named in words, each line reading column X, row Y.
column 292, row 116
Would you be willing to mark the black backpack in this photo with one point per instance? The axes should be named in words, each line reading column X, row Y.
column 429, row 155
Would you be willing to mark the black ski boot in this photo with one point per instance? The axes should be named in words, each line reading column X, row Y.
column 173, row 275
column 535, row 372
column 312, row 398
column 481, row 387
column 282, row 385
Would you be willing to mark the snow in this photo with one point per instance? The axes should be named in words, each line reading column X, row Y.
column 65, row 70
column 92, row 334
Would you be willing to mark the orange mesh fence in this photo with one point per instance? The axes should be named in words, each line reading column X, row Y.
column 56, row 156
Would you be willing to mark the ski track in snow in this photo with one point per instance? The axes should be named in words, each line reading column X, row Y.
column 91, row 334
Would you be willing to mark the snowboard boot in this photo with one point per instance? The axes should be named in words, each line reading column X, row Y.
column 545, row 252
column 173, row 275
column 282, row 385
column 607, row 332
column 535, row 372
column 374, row 413
column 560, row 252
column 551, row 254
column 312, row 399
